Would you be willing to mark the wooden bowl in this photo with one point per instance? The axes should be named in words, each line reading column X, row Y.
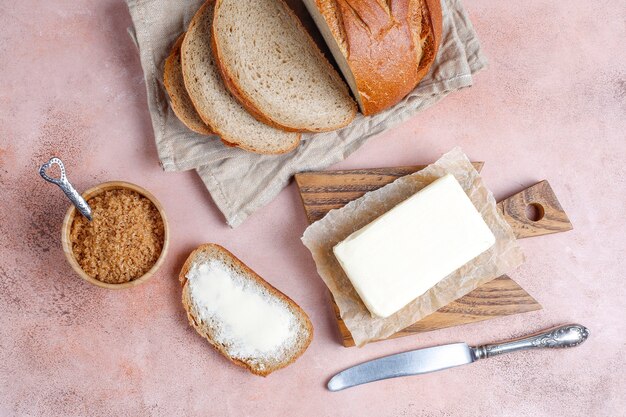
column 69, row 219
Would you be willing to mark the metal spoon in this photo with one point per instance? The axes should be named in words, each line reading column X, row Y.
column 65, row 185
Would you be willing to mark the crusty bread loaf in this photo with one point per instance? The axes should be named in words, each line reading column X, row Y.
column 383, row 48
column 179, row 99
column 210, row 327
column 275, row 69
column 215, row 105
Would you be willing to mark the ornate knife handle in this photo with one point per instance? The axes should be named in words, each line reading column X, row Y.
column 559, row 337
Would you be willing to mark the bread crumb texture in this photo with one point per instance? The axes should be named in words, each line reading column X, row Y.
column 124, row 239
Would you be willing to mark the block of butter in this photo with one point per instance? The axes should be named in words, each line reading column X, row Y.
column 406, row 251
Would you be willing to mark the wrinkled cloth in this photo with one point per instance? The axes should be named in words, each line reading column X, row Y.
column 241, row 182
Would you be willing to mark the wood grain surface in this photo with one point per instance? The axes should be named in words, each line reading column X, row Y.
column 540, row 201
column 324, row 191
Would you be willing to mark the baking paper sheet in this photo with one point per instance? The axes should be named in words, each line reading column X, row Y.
column 338, row 224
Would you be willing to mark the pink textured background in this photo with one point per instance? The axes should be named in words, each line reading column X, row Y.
column 551, row 105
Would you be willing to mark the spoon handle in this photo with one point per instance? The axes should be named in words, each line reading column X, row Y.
column 65, row 185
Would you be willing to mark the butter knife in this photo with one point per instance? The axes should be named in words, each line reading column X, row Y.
column 422, row 361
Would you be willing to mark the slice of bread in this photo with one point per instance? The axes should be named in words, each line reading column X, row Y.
column 179, row 99
column 241, row 315
column 275, row 69
column 215, row 105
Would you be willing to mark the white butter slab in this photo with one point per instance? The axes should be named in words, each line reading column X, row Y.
column 406, row 251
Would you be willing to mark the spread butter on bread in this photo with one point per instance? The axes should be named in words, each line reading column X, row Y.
column 246, row 319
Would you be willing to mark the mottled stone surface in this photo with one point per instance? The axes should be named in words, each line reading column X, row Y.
column 552, row 105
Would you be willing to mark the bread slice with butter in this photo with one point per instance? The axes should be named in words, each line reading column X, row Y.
column 241, row 315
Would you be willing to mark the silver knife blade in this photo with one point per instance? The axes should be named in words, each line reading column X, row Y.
column 436, row 358
column 414, row 362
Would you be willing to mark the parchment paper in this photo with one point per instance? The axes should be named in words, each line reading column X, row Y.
column 338, row 224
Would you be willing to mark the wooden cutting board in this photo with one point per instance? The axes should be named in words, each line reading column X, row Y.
column 534, row 211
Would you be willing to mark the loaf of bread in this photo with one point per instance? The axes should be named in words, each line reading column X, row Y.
column 383, row 48
column 215, row 105
column 272, row 65
column 175, row 87
column 241, row 315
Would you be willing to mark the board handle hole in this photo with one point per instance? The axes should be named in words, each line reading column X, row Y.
column 535, row 212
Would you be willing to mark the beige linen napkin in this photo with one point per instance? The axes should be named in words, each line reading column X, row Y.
column 241, row 182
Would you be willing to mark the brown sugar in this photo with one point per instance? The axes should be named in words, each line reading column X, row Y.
column 124, row 239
